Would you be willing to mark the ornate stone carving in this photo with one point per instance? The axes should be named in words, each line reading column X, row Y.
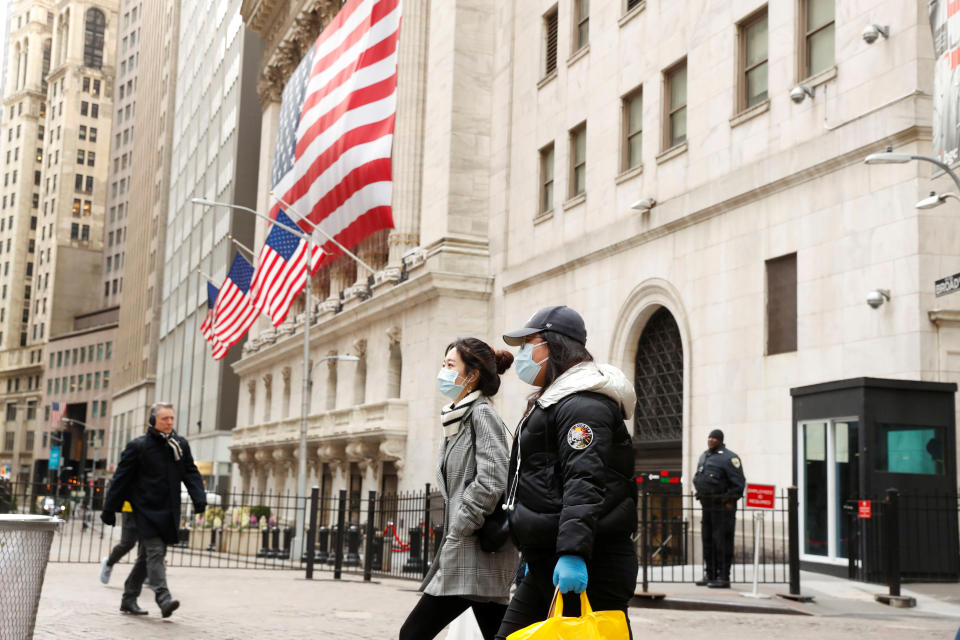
column 285, row 374
column 360, row 347
column 267, row 380
column 252, row 387
column 393, row 334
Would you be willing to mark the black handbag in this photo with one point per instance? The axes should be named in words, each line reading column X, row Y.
column 495, row 530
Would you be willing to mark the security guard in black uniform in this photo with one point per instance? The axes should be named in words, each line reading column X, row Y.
column 719, row 483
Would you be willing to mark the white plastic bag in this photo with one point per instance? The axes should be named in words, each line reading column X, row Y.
column 464, row 627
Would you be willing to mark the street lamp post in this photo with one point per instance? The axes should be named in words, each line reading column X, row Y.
column 307, row 373
column 891, row 157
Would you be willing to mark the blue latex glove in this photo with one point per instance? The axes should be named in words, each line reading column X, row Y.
column 570, row 574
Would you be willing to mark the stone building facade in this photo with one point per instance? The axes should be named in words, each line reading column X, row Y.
column 701, row 199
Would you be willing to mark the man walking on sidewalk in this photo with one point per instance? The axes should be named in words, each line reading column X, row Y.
column 719, row 483
column 148, row 475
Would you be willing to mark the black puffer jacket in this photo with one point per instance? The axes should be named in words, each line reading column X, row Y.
column 149, row 478
column 575, row 485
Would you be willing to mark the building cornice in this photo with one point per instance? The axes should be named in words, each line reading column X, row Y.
column 637, row 230
column 389, row 301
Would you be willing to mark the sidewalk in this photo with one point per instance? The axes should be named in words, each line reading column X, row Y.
column 832, row 597
column 234, row 604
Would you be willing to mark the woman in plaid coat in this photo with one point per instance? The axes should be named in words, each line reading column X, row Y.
column 472, row 476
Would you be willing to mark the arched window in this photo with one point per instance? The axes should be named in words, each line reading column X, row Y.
column 659, row 381
column 93, row 38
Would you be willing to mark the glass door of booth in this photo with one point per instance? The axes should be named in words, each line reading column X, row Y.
column 828, row 472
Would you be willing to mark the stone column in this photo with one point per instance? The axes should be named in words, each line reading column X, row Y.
column 408, row 130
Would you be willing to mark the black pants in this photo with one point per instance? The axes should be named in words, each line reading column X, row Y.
column 611, row 582
column 149, row 563
column 433, row 613
column 719, row 525
column 128, row 539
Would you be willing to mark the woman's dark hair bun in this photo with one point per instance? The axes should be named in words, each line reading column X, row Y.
column 504, row 360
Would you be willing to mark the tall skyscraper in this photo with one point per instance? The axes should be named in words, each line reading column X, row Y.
column 143, row 160
column 61, row 73
column 215, row 155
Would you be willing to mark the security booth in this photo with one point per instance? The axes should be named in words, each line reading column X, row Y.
column 853, row 441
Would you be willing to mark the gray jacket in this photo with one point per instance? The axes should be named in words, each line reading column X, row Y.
column 472, row 486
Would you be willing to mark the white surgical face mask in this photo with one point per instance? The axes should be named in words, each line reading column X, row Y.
column 527, row 369
column 447, row 383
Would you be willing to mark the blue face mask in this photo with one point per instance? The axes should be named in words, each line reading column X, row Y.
column 447, row 383
column 527, row 370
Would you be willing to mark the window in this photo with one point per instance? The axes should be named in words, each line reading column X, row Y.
column 86, row 85
column 546, row 178
column 11, row 413
column 88, row 186
column 100, row 351
column 87, row 204
column 96, row 88
column 782, row 304
column 93, row 38
column 818, row 37
column 85, row 233
column 81, row 156
column 632, row 126
column 95, row 110
column 581, row 37
column 578, row 160
column 91, row 157
column 753, row 60
column 675, row 91
column 78, row 182
column 74, row 231
column 550, row 41
column 76, row 208
column 82, row 132
column 84, row 107
column 93, row 134
column 109, row 350
column 911, row 449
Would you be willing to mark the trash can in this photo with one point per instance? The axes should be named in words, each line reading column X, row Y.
column 24, row 551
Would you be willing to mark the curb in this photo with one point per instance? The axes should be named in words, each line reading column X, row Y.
column 661, row 601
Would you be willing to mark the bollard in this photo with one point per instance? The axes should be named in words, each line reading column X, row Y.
column 377, row 551
column 264, row 543
column 310, row 548
column 274, row 551
column 644, row 544
column 341, row 517
column 287, row 546
column 352, row 559
column 793, row 521
column 323, row 540
column 370, row 546
column 413, row 564
column 893, row 541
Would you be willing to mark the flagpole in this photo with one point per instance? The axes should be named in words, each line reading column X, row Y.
column 242, row 246
column 323, row 233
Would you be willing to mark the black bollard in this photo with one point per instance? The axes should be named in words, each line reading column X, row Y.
column 376, row 551
column 323, row 540
column 274, row 542
column 287, row 539
column 352, row 559
column 264, row 543
column 414, row 562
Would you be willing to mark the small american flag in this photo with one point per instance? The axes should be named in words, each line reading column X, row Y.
column 206, row 327
column 57, row 409
column 234, row 310
column 332, row 159
column 281, row 270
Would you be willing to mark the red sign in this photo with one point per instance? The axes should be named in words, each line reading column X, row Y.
column 864, row 509
column 761, row 496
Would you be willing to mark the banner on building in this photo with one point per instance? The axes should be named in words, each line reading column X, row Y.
column 945, row 25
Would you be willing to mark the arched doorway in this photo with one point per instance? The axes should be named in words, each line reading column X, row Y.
column 658, row 419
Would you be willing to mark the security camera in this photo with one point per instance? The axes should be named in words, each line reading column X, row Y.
column 873, row 31
column 799, row 92
column 877, row 297
column 644, row 205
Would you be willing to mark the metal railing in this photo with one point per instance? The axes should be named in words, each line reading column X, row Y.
column 669, row 539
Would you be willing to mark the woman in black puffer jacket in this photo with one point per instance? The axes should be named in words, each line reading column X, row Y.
column 571, row 497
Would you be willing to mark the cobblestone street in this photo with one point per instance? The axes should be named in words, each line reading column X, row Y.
column 231, row 604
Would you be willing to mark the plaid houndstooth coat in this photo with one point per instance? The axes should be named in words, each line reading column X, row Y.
column 472, row 487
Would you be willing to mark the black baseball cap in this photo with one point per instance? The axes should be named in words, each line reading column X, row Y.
column 561, row 319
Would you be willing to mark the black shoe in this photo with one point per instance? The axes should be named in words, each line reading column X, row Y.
column 704, row 581
column 719, row 584
column 168, row 607
column 132, row 608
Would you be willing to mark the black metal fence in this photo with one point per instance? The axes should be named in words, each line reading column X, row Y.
column 906, row 537
column 669, row 543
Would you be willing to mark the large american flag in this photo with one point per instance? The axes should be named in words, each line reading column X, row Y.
column 332, row 159
column 206, row 327
column 234, row 310
column 281, row 269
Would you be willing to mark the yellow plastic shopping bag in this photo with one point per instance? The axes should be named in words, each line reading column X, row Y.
column 591, row 625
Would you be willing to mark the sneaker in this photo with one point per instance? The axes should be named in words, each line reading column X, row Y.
column 105, row 571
